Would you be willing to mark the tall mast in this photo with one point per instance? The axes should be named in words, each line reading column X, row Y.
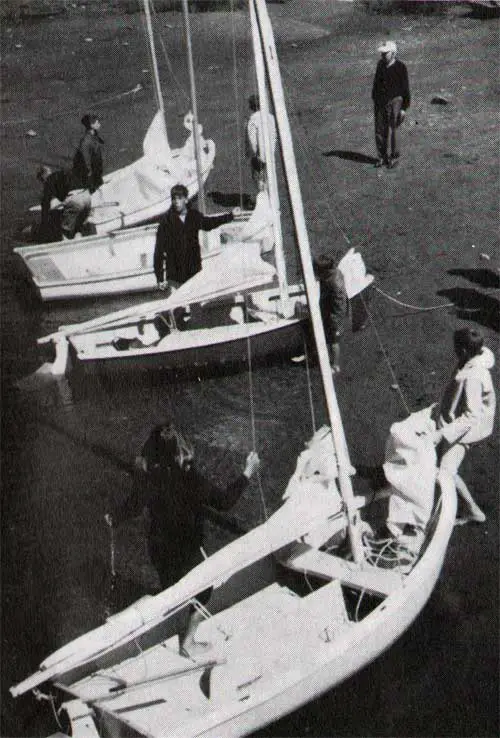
column 152, row 50
column 196, row 133
column 286, row 142
column 270, row 160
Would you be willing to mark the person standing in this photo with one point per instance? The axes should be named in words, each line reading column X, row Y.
column 65, row 206
column 87, row 162
column 391, row 99
column 255, row 141
column 466, row 411
column 333, row 304
column 175, row 493
column 177, row 255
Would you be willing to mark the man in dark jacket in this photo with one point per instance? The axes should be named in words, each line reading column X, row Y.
column 65, row 206
column 87, row 162
column 175, row 495
column 391, row 99
column 177, row 255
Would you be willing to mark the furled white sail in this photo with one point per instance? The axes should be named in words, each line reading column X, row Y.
column 155, row 145
column 238, row 267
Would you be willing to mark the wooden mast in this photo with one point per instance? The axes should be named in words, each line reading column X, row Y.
column 196, row 132
column 270, row 162
column 286, row 142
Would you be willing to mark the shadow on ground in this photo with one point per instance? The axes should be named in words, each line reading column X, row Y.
column 483, row 277
column 473, row 305
column 352, row 156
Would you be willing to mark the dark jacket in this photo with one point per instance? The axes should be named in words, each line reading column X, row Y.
column 177, row 254
column 390, row 82
column 175, row 501
column 87, row 162
column 333, row 303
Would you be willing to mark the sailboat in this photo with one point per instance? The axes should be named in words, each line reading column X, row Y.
column 112, row 262
column 141, row 191
column 281, row 645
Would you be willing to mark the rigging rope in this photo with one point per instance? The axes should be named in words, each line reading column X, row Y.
column 236, row 106
column 252, row 422
column 420, row 308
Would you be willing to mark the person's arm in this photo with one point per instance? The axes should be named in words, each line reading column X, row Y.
column 134, row 502
column 252, row 137
column 159, row 255
column 471, row 416
column 376, row 83
column 86, row 159
column 209, row 222
column 224, row 499
column 405, row 89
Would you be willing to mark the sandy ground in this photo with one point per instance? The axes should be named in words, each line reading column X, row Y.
column 428, row 231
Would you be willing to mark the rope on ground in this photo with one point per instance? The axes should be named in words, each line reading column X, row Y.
column 420, row 308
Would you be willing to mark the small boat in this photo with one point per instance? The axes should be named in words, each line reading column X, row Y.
column 120, row 262
column 276, row 645
column 140, row 192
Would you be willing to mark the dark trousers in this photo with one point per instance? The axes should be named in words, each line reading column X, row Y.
column 387, row 120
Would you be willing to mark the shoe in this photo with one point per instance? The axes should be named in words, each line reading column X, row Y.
column 380, row 163
column 391, row 163
column 298, row 359
column 396, row 155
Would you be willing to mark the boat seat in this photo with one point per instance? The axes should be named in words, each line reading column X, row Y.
column 308, row 560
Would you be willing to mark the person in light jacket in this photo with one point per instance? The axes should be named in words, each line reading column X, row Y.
column 467, row 411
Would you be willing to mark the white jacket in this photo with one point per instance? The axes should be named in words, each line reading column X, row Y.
column 468, row 406
column 255, row 135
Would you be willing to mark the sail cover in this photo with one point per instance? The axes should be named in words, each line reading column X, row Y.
column 155, row 145
column 236, row 268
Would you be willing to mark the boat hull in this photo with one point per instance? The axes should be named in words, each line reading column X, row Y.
column 209, row 348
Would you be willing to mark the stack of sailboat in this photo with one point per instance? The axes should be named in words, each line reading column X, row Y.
column 135, row 194
column 276, row 648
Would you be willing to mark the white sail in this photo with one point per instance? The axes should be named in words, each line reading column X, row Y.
column 155, row 145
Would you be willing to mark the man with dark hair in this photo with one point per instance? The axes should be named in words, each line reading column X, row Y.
column 391, row 99
column 87, row 162
column 466, row 411
column 65, row 206
column 177, row 255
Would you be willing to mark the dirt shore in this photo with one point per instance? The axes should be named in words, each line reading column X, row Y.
column 428, row 231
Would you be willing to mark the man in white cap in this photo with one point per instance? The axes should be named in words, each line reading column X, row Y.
column 391, row 99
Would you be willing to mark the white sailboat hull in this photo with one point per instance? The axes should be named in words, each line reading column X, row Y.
column 190, row 348
column 116, row 263
column 273, row 652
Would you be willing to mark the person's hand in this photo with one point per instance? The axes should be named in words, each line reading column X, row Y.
column 236, row 212
column 252, row 464
column 162, row 286
column 56, row 204
column 140, row 463
column 109, row 520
